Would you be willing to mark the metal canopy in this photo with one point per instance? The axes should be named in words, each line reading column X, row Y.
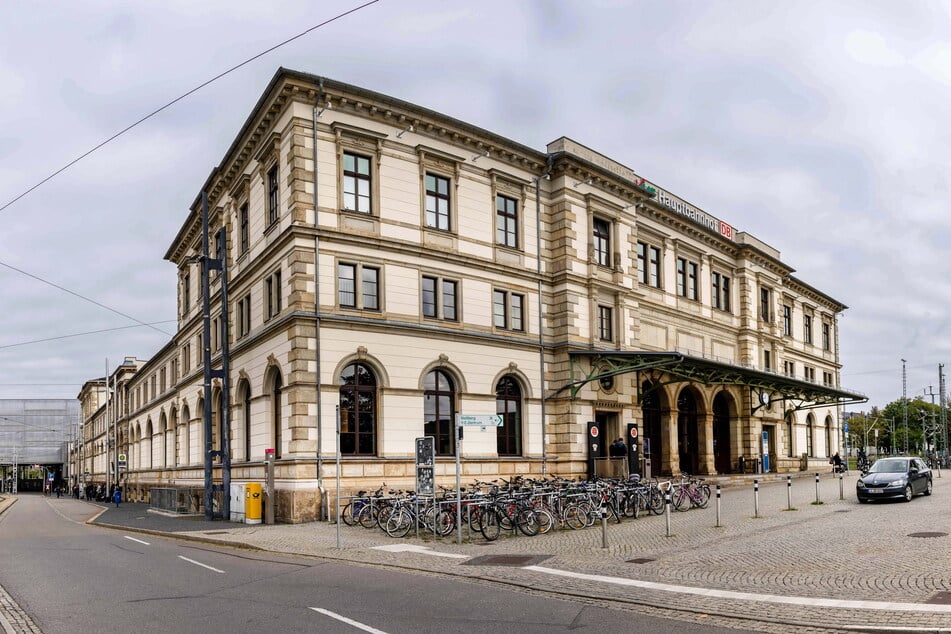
column 665, row 368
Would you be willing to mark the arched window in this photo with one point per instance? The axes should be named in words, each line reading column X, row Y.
column 508, row 405
column 439, row 410
column 276, row 412
column 790, row 448
column 244, row 394
column 809, row 433
column 186, row 427
column 357, row 410
column 829, row 450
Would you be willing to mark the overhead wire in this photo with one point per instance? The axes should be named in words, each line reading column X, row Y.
column 181, row 97
column 80, row 334
column 83, row 297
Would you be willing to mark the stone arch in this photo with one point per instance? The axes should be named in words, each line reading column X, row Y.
column 724, row 410
column 690, row 409
column 654, row 403
column 450, row 369
column 243, row 415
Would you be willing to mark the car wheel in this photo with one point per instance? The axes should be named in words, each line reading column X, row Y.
column 929, row 487
column 908, row 493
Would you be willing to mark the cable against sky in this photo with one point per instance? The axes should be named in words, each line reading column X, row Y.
column 181, row 97
column 84, row 298
column 81, row 334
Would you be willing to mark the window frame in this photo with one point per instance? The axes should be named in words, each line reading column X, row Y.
column 362, row 298
column 356, row 389
column 601, row 242
column 509, row 405
column 605, row 323
column 244, row 228
column 273, row 195
column 440, row 294
column 721, row 290
column 787, row 320
column 512, row 306
column 438, row 199
column 506, row 215
column 356, row 177
column 272, row 295
column 442, row 428
column 807, row 329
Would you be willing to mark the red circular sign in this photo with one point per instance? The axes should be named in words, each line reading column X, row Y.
column 633, row 432
column 594, row 432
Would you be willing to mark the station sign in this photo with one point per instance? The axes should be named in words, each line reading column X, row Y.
column 479, row 420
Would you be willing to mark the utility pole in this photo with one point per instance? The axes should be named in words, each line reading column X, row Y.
column 904, row 401
column 942, row 400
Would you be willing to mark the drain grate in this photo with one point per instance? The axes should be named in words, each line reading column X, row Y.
column 216, row 532
column 927, row 534
column 842, row 510
column 940, row 598
column 640, row 560
column 507, row 560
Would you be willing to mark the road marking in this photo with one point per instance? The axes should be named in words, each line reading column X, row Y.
column 198, row 563
column 137, row 540
column 748, row 596
column 356, row 624
column 422, row 550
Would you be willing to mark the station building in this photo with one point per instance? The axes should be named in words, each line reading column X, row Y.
column 447, row 270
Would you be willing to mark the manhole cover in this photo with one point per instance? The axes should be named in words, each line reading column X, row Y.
column 940, row 598
column 926, row 534
column 507, row 560
column 640, row 560
column 842, row 510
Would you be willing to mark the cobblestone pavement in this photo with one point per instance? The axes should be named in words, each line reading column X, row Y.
column 13, row 620
column 834, row 566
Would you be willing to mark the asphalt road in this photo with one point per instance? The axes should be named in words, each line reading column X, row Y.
column 72, row 577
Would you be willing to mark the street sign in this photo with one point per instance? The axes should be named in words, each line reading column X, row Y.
column 479, row 420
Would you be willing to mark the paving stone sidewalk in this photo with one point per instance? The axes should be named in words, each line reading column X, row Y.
column 836, row 565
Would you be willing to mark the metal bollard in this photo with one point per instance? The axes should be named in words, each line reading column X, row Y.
column 788, row 493
column 841, row 488
column 604, row 529
column 817, row 490
column 755, row 498
column 718, row 506
column 667, row 510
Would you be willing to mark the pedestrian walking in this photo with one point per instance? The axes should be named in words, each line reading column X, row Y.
column 117, row 497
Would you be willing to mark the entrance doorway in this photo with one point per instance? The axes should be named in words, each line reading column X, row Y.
column 769, row 445
column 722, row 461
column 688, row 435
column 651, row 443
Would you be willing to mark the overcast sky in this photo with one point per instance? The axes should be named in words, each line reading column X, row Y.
column 820, row 128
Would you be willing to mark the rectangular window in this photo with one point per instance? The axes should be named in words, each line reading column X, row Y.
column 605, row 323
column 826, row 337
column 508, row 310
column 807, row 328
column 827, row 379
column 764, row 303
column 244, row 316
column 437, row 202
column 642, row 262
column 371, row 288
column 272, row 294
column 721, row 291
column 187, row 358
column 245, row 238
column 216, row 334
column 787, row 320
column 186, row 293
column 506, row 221
column 648, row 264
column 789, row 368
column 767, row 361
column 163, row 377
column 346, row 285
column 687, row 278
column 810, row 374
column 356, row 183
column 602, row 242
column 273, row 199
column 440, row 298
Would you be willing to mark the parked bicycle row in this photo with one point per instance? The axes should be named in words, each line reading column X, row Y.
column 531, row 507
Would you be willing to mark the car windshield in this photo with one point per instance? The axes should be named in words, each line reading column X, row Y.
column 890, row 465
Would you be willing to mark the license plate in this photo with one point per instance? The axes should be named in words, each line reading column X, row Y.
column 876, row 491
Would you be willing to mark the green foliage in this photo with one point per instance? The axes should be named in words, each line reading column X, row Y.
column 923, row 418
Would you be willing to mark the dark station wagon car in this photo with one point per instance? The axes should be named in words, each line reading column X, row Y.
column 902, row 478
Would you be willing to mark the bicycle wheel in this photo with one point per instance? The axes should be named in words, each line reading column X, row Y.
column 629, row 504
column 703, row 496
column 445, row 522
column 399, row 523
column 527, row 521
column 489, row 524
column 346, row 514
column 575, row 517
column 546, row 521
column 369, row 516
column 680, row 500
column 655, row 501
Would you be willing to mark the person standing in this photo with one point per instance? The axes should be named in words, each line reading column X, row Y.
column 117, row 497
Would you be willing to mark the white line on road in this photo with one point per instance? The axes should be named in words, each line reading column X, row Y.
column 356, row 624
column 198, row 563
column 422, row 550
column 137, row 540
column 748, row 596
